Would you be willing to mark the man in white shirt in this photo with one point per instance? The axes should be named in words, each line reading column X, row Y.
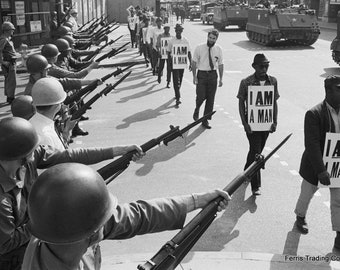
column 156, row 31
column 207, row 59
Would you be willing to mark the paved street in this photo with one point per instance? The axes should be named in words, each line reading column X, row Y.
column 141, row 109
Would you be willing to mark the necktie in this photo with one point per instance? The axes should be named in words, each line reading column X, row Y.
column 211, row 64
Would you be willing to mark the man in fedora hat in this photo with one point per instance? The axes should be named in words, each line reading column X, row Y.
column 257, row 139
column 178, row 52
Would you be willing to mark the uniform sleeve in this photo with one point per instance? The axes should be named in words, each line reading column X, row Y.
column 70, row 84
column 11, row 236
column 143, row 217
column 59, row 73
column 46, row 156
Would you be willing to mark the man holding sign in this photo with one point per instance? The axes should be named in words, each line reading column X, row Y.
column 162, row 47
column 258, row 94
column 319, row 162
column 179, row 52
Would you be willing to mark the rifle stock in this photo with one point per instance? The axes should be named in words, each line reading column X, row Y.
column 171, row 254
column 116, row 167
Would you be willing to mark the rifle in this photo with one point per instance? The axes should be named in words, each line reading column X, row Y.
column 171, row 254
column 103, row 35
column 105, row 91
column 85, row 24
column 116, row 167
column 98, row 50
column 89, row 88
column 112, row 52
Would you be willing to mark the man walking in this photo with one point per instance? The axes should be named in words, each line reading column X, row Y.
column 257, row 139
column 162, row 47
column 207, row 59
column 179, row 52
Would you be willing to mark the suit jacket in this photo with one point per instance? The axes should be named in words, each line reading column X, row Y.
column 318, row 122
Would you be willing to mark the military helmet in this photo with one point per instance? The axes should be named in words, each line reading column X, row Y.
column 50, row 50
column 62, row 45
column 63, row 30
column 68, row 203
column 18, row 138
column 48, row 91
column 68, row 24
column 22, row 106
column 36, row 63
column 69, row 39
column 7, row 26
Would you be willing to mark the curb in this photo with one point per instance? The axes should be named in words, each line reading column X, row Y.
column 231, row 260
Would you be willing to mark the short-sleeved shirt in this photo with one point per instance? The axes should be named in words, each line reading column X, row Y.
column 201, row 56
column 154, row 35
column 252, row 80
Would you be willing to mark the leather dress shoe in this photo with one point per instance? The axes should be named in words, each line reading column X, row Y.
column 10, row 100
column 302, row 225
column 77, row 131
column 168, row 85
column 83, row 118
column 195, row 115
column 256, row 192
column 206, row 125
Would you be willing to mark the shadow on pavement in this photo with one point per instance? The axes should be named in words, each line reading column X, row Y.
column 146, row 114
column 222, row 230
column 164, row 153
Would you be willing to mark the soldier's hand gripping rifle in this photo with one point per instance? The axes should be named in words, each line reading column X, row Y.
column 105, row 91
column 171, row 254
column 89, row 88
column 113, row 52
column 116, row 167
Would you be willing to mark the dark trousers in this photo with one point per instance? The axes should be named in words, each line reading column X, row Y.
column 177, row 77
column 257, row 141
column 168, row 69
column 154, row 59
column 206, row 90
column 10, row 79
column 133, row 37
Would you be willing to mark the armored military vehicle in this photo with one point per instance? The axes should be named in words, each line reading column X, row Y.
column 268, row 26
column 230, row 13
column 335, row 45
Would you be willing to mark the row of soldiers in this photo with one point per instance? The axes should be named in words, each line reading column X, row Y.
column 56, row 220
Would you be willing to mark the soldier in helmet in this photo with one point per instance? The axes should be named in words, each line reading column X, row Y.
column 8, row 60
column 48, row 96
column 65, row 59
column 20, row 157
column 38, row 66
column 62, row 233
column 51, row 53
column 22, row 106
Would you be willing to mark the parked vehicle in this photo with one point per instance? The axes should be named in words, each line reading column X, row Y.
column 268, row 26
column 207, row 13
column 335, row 45
column 195, row 13
column 230, row 13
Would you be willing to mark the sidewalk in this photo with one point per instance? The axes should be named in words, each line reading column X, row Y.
column 327, row 25
column 230, row 260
